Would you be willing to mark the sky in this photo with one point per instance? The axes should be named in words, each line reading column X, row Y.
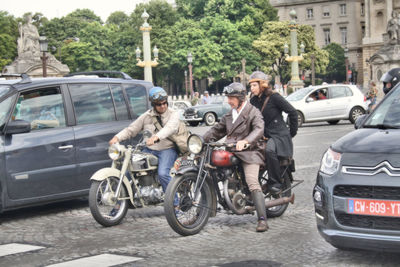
column 60, row 8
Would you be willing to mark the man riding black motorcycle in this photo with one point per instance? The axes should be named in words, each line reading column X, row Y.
column 279, row 136
column 244, row 125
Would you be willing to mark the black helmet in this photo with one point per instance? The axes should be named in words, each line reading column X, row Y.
column 258, row 76
column 235, row 89
column 392, row 77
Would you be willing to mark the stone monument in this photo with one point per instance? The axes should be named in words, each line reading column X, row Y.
column 388, row 56
column 28, row 60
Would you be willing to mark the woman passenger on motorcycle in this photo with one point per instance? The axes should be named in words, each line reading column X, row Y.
column 279, row 144
column 244, row 125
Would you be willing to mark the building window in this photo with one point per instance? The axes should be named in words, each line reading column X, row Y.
column 362, row 9
column 343, row 33
column 327, row 36
column 363, row 31
column 342, row 9
column 325, row 11
column 310, row 13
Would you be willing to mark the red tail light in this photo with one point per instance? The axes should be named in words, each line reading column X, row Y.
column 365, row 98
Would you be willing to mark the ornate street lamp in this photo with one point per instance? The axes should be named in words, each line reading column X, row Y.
column 43, row 48
column 294, row 58
column 147, row 63
column 190, row 60
column 186, row 87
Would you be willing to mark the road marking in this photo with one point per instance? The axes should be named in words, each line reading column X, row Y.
column 103, row 260
column 14, row 248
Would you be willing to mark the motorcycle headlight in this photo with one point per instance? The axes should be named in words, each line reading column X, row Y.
column 115, row 151
column 195, row 144
column 330, row 162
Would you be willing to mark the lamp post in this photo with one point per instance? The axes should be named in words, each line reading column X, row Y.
column 43, row 48
column 346, row 62
column 313, row 69
column 190, row 60
column 294, row 58
column 186, row 88
column 147, row 63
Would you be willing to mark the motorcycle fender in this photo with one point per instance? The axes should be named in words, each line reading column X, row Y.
column 185, row 169
column 102, row 174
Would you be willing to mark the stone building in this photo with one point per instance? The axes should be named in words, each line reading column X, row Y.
column 358, row 25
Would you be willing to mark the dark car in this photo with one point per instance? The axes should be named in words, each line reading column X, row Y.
column 55, row 131
column 357, row 192
column 208, row 113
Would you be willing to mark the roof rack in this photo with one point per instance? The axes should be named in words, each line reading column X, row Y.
column 101, row 73
column 25, row 77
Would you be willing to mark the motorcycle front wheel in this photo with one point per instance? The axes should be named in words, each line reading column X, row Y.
column 186, row 216
column 107, row 209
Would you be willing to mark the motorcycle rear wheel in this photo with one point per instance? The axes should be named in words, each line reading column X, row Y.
column 107, row 214
column 187, row 218
column 277, row 211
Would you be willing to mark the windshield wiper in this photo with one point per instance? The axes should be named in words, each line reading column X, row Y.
column 382, row 126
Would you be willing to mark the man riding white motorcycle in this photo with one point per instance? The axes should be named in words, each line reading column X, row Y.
column 158, row 144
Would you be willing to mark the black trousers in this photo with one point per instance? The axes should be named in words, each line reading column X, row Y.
column 273, row 166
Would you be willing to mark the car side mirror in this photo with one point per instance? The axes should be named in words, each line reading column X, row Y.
column 146, row 134
column 359, row 121
column 310, row 99
column 18, row 126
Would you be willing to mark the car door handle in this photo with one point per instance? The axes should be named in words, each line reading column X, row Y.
column 65, row 147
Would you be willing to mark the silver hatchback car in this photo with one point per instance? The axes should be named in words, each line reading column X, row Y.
column 331, row 103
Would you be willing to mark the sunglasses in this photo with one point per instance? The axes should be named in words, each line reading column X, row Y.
column 161, row 104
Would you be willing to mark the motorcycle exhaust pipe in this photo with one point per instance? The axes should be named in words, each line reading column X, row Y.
column 279, row 201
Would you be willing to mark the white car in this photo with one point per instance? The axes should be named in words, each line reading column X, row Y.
column 331, row 103
column 180, row 106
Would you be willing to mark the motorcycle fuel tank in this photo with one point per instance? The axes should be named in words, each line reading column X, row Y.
column 223, row 158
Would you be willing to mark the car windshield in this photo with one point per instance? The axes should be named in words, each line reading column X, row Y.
column 299, row 94
column 387, row 114
column 217, row 100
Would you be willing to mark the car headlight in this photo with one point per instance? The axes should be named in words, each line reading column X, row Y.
column 115, row 151
column 195, row 144
column 330, row 162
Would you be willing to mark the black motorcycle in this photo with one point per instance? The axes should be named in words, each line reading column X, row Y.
column 213, row 174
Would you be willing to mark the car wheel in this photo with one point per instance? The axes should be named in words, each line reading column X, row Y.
column 300, row 119
column 193, row 123
column 333, row 122
column 355, row 113
column 210, row 119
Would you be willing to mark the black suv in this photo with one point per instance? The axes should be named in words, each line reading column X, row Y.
column 55, row 131
column 357, row 192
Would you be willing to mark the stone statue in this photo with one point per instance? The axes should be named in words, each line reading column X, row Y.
column 28, row 41
column 393, row 27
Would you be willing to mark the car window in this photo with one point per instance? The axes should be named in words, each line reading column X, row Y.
column 388, row 112
column 43, row 108
column 180, row 105
column 320, row 94
column 339, row 91
column 92, row 103
column 119, row 102
column 137, row 97
column 299, row 94
column 5, row 109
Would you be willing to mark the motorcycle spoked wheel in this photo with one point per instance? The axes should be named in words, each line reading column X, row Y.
column 187, row 218
column 111, row 213
column 277, row 211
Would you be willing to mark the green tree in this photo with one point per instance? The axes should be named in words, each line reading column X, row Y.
column 8, row 38
column 81, row 56
column 270, row 47
column 117, row 18
column 336, row 68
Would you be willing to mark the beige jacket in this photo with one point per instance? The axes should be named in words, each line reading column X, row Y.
column 170, row 121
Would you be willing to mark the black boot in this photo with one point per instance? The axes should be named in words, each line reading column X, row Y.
column 259, row 203
column 274, row 172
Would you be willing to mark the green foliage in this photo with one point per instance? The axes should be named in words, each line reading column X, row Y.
column 270, row 47
column 336, row 68
column 8, row 38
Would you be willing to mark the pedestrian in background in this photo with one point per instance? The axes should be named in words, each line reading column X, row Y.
column 195, row 99
column 206, row 98
column 371, row 96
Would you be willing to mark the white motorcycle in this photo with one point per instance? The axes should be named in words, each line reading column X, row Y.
column 130, row 182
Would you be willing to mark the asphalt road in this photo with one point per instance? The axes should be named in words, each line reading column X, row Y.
column 65, row 234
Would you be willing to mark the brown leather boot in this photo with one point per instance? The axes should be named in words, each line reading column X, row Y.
column 262, row 226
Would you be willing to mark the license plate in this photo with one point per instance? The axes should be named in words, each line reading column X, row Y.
column 374, row 207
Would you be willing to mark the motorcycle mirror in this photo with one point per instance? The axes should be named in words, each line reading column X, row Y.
column 146, row 134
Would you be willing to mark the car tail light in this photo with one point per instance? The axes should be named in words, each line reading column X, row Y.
column 365, row 98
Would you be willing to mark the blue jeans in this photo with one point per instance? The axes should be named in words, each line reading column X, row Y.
column 166, row 159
